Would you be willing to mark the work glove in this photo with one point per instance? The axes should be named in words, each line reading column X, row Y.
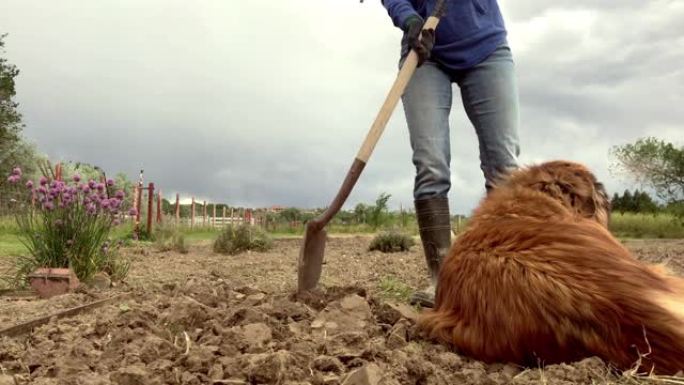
column 419, row 40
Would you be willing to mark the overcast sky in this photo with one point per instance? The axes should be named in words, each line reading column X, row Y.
column 266, row 102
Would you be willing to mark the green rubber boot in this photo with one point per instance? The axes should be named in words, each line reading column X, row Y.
column 434, row 224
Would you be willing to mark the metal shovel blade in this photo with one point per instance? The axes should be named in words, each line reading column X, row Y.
column 311, row 257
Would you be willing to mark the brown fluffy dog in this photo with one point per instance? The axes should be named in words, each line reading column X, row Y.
column 538, row 279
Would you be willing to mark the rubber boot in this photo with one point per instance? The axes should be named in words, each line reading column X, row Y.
column 434, row 224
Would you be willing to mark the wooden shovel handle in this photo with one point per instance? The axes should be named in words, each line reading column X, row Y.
column 407, row 70
column 392, row 98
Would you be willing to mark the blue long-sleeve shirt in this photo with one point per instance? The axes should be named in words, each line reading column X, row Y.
column 469, row 31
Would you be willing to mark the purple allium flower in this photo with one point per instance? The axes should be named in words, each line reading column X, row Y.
column 100, row 187
column 92, row 184
column 90, row 208
column 110, row 182
column 104, row 203
column 13, row 179
column 53, row 184
column 86, row 188
column 29, row 184
column 48, row 206
column 76, row 178
column 43, row 181
column 132, row 212
column 42, row 190
column 119, row 194
column 16, row 171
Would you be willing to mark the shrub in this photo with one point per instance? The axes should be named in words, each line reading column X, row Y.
column 391, row 241
column 68, row 226
column 235, row 239
column 167, row 238
column 630, row 225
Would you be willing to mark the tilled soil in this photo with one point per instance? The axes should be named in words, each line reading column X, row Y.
column 203, row 318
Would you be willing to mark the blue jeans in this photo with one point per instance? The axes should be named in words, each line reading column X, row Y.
column 490, row 98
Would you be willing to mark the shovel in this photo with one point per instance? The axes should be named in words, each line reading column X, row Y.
column 311, row 253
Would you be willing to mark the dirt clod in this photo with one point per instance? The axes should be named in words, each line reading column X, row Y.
column 131, row 375
column 370, row 374
column 328, row 364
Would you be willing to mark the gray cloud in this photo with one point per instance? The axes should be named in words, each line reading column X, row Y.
column 267, row 102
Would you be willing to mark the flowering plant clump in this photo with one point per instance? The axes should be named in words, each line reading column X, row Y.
column 67, row 224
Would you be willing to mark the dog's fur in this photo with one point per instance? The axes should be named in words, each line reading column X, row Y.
column 538, row 279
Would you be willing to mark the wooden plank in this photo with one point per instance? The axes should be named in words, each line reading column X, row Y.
column 26, row 327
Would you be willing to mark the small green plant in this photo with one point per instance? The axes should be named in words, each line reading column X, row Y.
column 391, row 242
column 167, row 238
column 236, row 239
column 67, row 224
column 391, row 287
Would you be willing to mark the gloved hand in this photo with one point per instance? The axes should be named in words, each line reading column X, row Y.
column 420, row 40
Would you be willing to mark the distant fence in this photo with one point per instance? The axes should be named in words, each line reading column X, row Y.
column 207, row 215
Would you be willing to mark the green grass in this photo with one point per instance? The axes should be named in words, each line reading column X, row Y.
column 392, row 288
column 10, row 245
column 630, row 225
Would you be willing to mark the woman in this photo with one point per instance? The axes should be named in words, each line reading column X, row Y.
column 469, row 48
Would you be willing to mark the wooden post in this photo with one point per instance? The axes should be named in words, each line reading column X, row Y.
column 192, row 213
column 177, row 209
column 223, row 217
column 213, row 217
column 232, row 211
column 204, row 214
column 159, row 206
column 139, row 204
column 150, row 208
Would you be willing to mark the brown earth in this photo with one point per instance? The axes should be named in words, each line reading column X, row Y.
column 204, row 318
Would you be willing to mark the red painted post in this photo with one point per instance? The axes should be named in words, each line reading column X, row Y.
column 150, row 207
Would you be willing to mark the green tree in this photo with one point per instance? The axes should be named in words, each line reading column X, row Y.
column 290, row 214
column 14, row 151
column 378, row 213
column 616, row 204
column 643, row 203
column 360, row 213
column 655, row 163
column 627, row 201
